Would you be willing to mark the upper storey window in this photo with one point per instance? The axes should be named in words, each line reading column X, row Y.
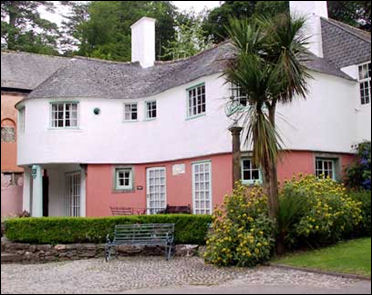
column 64, row 114
column 130, row 112
column 238, row 94
column 365, row 83
column 196, row 101
column 150, row 109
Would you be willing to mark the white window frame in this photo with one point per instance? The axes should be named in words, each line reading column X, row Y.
column 193, row 104
column 318, row 172
column 364, row 83
column 200, row 209
column 236, row 94
column 21, row 119
column 124, row 187
column 73, row 199
column 130, row 112
column 149, row 109
column 251, row 169
column 64, row 119
column 149, row 209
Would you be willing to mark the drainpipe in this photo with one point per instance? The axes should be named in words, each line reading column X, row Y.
column 235, row 132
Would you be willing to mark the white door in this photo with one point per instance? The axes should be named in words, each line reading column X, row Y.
column 73, row 194
column 156, row 189
column 202, row 187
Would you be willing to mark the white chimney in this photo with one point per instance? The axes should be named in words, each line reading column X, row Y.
column 312, row 11
column 143, row 41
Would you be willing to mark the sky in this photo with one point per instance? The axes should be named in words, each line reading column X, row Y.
column 197, row 6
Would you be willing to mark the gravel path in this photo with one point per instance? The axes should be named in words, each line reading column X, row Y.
column 130, row 273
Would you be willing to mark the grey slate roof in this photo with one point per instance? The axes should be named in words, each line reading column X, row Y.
column 25, row 71
column 344, row 45
column 83, row 77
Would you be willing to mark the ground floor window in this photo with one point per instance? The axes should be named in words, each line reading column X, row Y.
column 202, row 187
column 123, row 178
column 325, row 168
column 156, row 189
column 73, row 194
column 250, row 173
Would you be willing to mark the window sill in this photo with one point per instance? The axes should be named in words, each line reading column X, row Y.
column 149, row 119
column 130, row 121
column 65, row 128
column 120, row 191
column 196, row 116
column 252, row 182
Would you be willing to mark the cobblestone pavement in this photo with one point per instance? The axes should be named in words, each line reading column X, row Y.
column 135, row 273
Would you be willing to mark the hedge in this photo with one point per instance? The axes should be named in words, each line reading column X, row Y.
column 364, row 227
column 189, row 229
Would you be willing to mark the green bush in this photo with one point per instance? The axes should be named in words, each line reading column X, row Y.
column 241, row 232
column 364, row 227
column 189, row 229
column 327, row 213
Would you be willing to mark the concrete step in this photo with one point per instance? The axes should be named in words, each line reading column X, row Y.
column 10, row 257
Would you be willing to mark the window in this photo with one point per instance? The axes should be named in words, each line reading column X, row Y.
column 151, row 110
column 8, row 130
column 196, row 101
column 238, row 94
column 202, row 195
column 64, row 115
column 130, row 112
column 365, row 83
column 325, row 168
column 21, row 120
column 250, row 173
column 123, row 178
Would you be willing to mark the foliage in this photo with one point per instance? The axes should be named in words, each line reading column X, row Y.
column 354, row 13
column 189, row 229
column 22, row 27
column 102, row 29
column 241, row 231
column 190, row 38
column 358, row 174
column 364, row 227
column 328, row 214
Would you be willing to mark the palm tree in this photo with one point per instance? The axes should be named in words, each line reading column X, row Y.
column 269, row 68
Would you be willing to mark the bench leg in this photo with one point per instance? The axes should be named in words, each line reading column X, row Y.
column 107, row 253
column 168, row 251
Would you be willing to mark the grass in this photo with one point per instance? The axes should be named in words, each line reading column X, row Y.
column 352, row 257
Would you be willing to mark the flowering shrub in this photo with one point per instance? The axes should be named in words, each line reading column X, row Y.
column 329, row 211
column 358, row 174
column 241, row 231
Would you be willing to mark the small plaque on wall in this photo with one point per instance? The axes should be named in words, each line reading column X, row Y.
column 178, row 169
column 139, row 187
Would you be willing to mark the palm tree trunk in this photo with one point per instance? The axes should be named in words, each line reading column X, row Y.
column 274, row 190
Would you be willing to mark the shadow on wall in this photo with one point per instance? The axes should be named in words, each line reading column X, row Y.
column 11, row 194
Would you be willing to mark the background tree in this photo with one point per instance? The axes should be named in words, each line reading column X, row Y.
column 102, row 28
column 190, row 37
column 269, row 69
column 22, row 27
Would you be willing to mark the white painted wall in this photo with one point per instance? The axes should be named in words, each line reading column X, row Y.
column 325, row 121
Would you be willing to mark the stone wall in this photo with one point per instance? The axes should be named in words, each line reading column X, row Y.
column 36, row 253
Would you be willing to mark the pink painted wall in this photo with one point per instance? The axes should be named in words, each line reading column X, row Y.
column 293, row 162
column 11, row 197
column 100, row 194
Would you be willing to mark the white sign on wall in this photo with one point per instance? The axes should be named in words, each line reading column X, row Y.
column 178, row 169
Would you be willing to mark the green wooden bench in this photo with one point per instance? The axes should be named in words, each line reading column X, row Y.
column 149, row 234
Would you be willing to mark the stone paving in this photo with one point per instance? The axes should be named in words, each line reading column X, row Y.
column 131, row 273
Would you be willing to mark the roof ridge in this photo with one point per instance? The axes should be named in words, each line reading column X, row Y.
column 337, row 24
column 34, row 53
column 103, row 60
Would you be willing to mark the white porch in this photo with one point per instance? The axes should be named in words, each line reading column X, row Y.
column 55, row 190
